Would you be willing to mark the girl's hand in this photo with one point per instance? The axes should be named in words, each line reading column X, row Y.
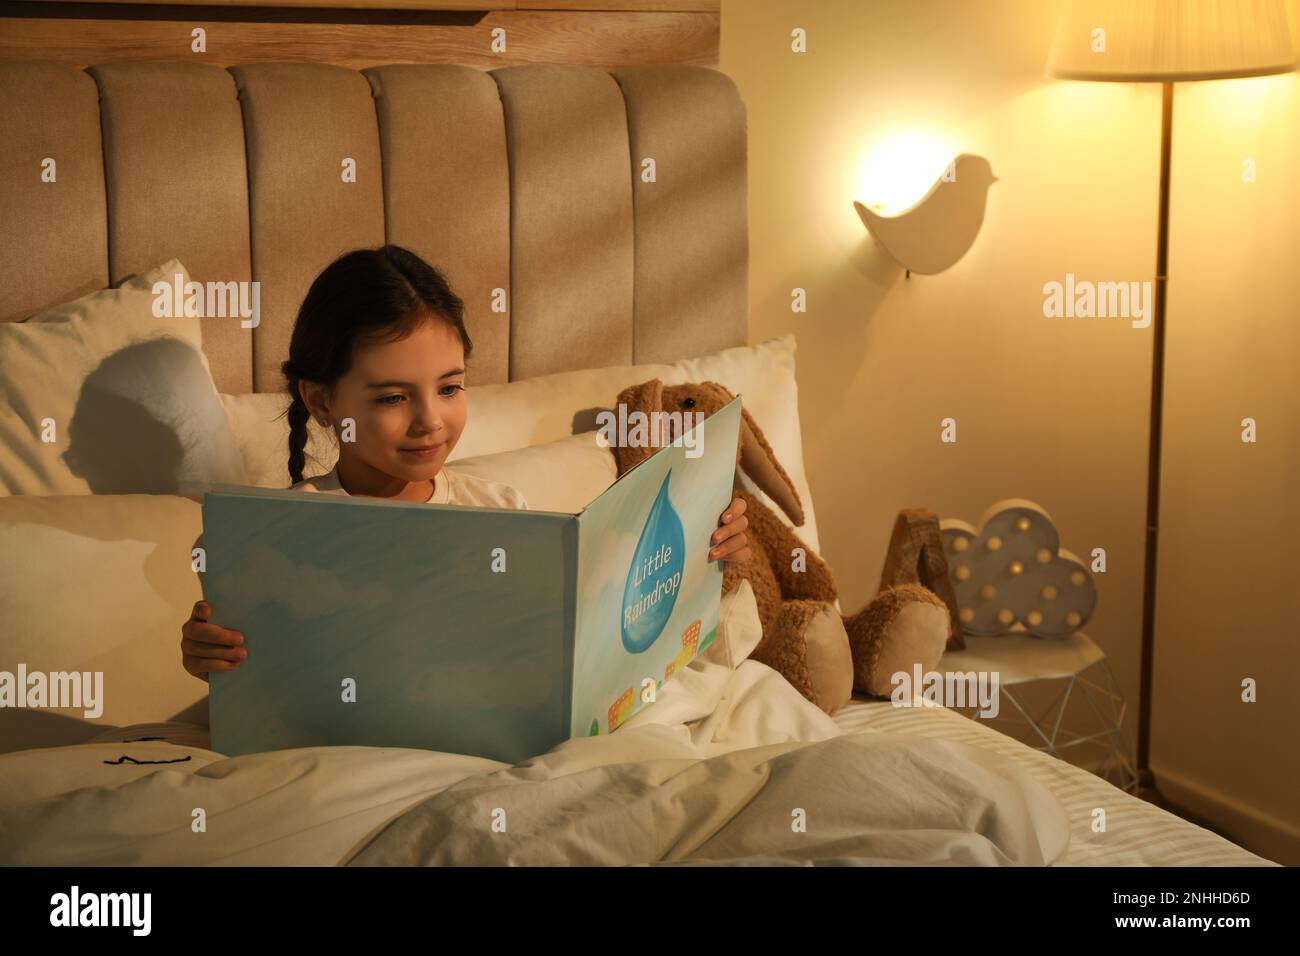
column 729, row 541
column 209, row 647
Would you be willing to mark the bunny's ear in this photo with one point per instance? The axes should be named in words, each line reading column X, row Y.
column 645, row 398
column 760, row 463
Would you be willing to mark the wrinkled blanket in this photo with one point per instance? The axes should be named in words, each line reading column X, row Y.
column 863, row 798
column 730, row 765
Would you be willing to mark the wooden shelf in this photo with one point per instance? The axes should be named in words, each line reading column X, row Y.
column 603, row 34
column 624, row 6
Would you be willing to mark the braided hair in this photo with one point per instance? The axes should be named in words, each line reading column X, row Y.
column 365, row 296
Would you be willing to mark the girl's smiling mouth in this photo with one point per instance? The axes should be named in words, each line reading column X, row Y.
column 428, row 451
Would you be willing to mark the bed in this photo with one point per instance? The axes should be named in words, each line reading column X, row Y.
column 526, row 185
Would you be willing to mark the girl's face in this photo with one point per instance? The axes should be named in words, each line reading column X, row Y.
column 408, row 401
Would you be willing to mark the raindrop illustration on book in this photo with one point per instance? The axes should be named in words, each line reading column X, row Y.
column 655, row 577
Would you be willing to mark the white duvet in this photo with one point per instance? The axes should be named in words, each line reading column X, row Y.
column 730, row 765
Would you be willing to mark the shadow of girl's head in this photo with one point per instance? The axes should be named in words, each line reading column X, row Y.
column 149, row 421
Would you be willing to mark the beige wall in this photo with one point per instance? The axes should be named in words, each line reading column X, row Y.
column 1051, row 409
column 1228, row 608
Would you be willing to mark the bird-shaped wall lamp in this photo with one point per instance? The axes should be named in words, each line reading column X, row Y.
column 939, row 228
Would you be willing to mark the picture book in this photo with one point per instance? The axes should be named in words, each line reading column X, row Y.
column 482, row 631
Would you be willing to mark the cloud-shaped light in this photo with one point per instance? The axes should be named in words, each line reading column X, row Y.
column 1012, row 570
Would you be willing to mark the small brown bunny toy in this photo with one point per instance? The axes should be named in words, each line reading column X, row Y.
column 823, row 654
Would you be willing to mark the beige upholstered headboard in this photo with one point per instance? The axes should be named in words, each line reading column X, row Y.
column 609, row 206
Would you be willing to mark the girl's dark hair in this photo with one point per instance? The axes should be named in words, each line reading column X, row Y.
column 364, row 297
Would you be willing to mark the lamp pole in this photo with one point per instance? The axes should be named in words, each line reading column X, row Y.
column 1145, row 777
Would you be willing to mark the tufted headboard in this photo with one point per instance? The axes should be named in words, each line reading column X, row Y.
column 610, row 207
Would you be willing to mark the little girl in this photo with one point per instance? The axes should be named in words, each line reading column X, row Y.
column 379, row 351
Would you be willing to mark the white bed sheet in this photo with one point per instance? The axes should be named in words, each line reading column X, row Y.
column 717, row 771
column 1136, row 833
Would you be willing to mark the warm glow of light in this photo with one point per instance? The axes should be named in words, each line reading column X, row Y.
column 900, row 169
column 1242, row 106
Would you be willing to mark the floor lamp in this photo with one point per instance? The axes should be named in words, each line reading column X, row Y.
column 1166, row 42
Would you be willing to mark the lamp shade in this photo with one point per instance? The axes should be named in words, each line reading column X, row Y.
column 1168, row 40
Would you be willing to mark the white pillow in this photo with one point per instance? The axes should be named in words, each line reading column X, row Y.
column 127, row 398
column 516, row 414
column 260, row 424
column 564, row 475
column 550, row 407
column 97, row 583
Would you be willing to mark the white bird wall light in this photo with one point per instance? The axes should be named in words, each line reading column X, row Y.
column 937, row 230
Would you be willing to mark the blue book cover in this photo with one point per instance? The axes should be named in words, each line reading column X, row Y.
column 482, row 631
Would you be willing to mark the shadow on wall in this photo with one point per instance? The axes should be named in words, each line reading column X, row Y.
column 148, row 421
column 871, row 260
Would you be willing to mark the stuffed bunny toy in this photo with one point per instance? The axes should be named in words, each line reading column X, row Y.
column 823, row 654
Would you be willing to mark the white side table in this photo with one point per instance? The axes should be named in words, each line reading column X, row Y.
column 1081, row 669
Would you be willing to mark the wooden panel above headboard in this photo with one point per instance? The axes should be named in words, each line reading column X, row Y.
column 604, row 34
column 711, row 6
